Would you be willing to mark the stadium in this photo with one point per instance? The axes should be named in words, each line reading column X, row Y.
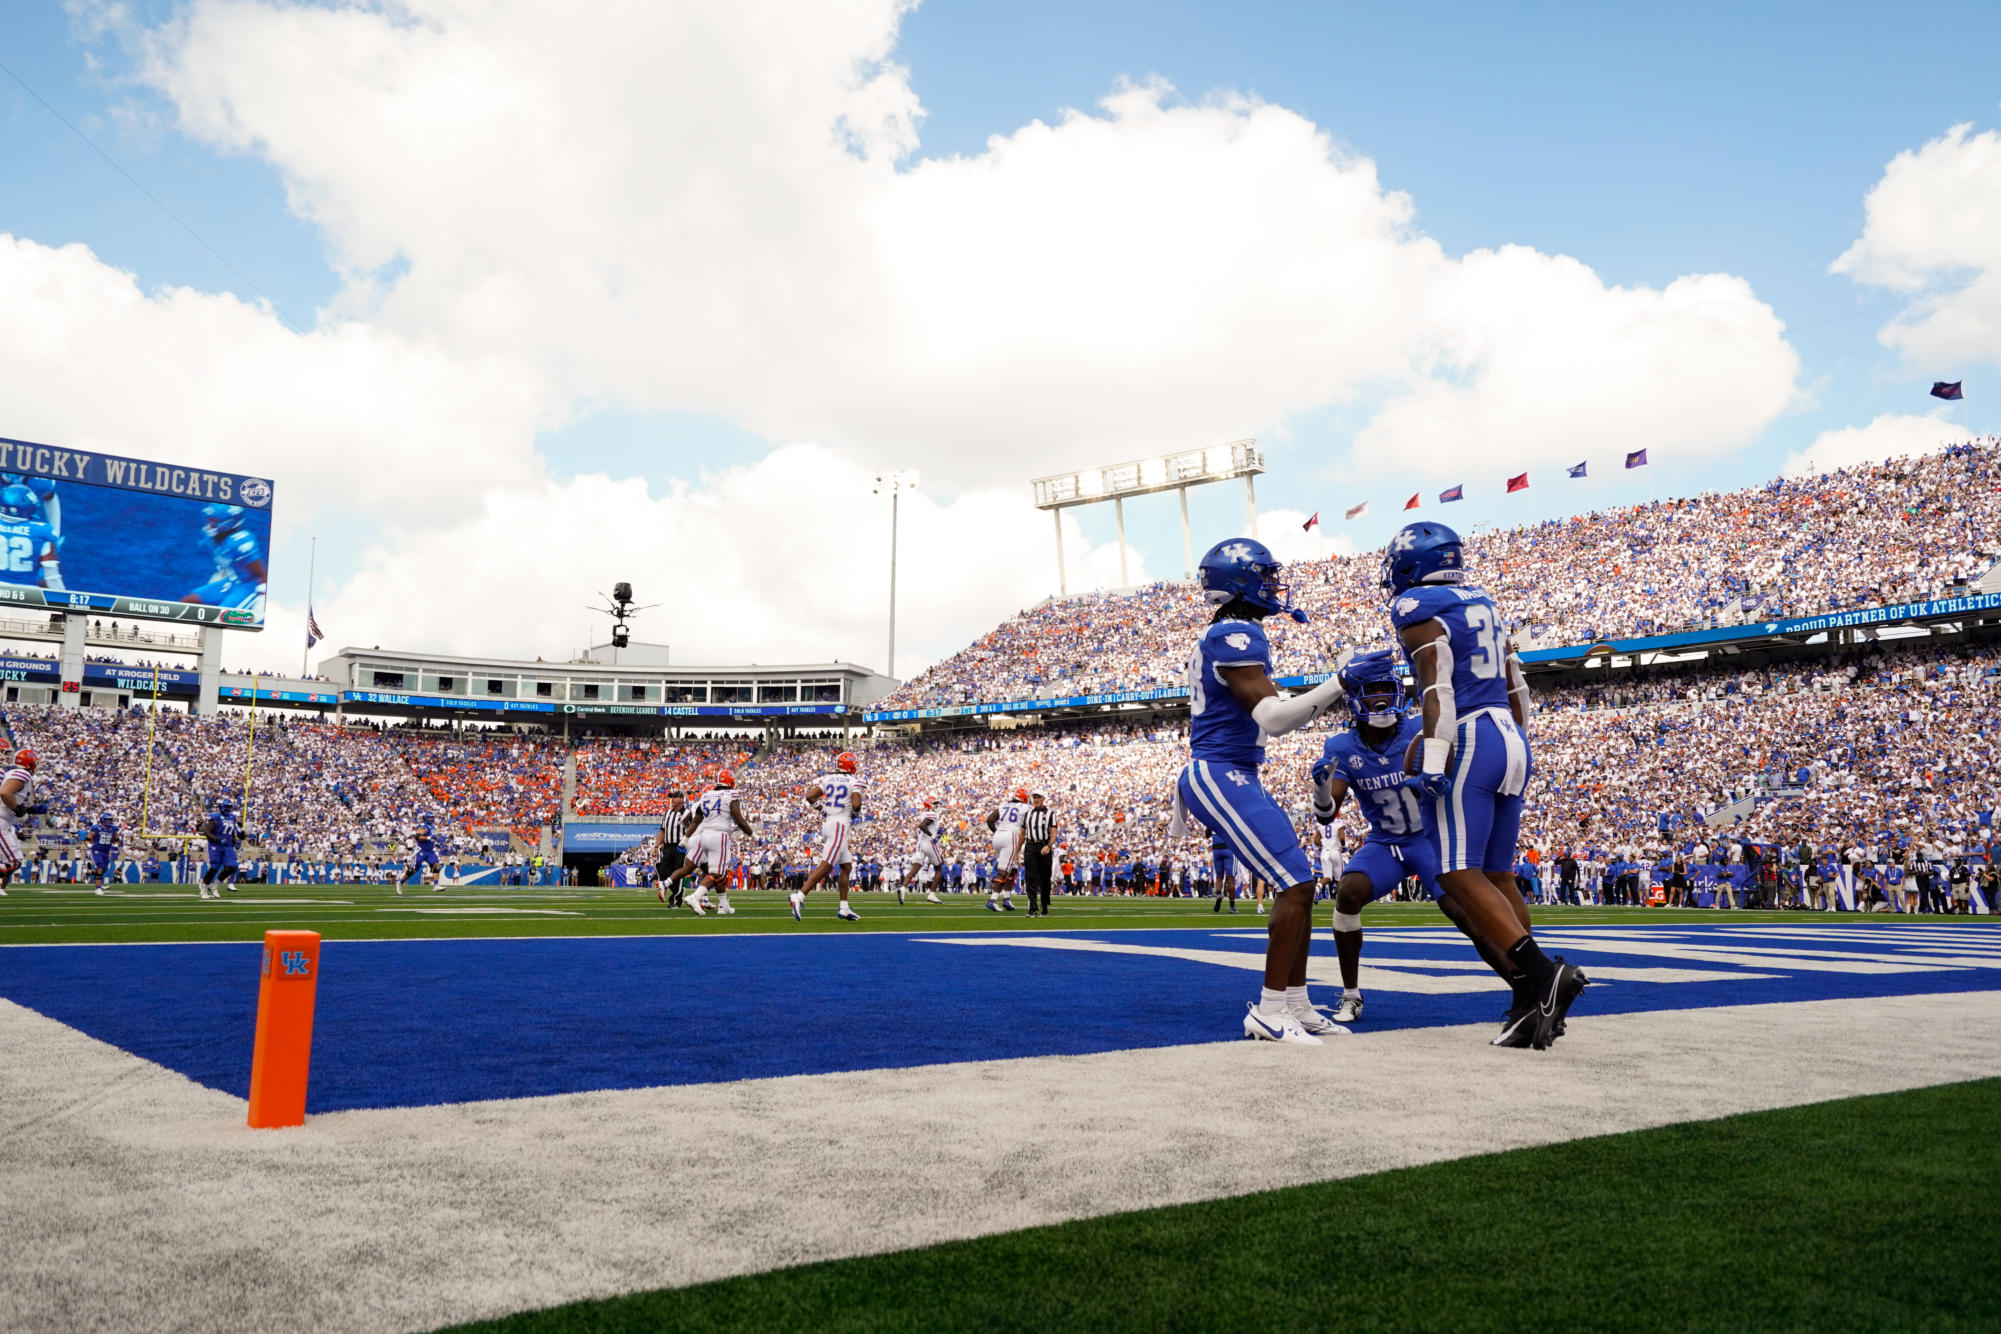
column 477, row 979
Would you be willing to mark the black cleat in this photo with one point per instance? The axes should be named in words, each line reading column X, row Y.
column 1558, row 1029
column 1218, row 907
column 1564, row 986
column 1518, row 1027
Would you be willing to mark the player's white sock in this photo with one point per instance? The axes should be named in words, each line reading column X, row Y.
column 1351, row 993
column 1296, row 998
column 1272, row 1002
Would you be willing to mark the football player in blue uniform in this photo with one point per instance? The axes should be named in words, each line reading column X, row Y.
column 45, row 495
column 1369, row 760
column 223, row 833
column 29, row 545
column 104, row 841
column 424, row 853
column 1474, row 765
column 1232, row 707
column 239, row 575
column 1224, row 867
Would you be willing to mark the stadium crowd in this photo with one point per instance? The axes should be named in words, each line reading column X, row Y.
column 1870, row 535
column 1880, row 751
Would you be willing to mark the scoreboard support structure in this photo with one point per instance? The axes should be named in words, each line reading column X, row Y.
column 208, row 696
column 70, row 695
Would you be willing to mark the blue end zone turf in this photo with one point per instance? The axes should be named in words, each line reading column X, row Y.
column 405, row 1023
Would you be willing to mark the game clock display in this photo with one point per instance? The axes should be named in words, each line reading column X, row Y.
column 84, row 531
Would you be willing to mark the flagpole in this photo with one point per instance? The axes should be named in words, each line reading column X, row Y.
column 312, row 567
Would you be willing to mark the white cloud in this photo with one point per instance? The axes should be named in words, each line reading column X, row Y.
column 704, row 209
column 1890, row 436
column 782, row 561
column 1935, row 218
column 1281, row 531
column 710, row 210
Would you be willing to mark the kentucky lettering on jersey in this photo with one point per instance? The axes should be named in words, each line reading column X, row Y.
column 835, row 789
column 1220, row 728
column 1478, row 639
column 1376, row 778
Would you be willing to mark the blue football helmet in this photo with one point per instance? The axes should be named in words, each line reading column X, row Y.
column 219, row 519
column 1374, row 690
column 18, row 502
column 1243, row 569
column 104, row 820
column 1422, row 553
column 224, row 806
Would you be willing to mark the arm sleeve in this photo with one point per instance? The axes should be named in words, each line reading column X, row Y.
column 1279, row 716
column 1518, row 688
column 1438, row 738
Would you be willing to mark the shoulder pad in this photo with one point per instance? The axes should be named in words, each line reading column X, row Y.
column 1237, row 640
column 1416, row 605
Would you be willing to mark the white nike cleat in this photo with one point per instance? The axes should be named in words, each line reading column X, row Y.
column 1277, row 1028
column 1007, row 905
column 1261, row 910
column 697, row 905
column 1349, row 1010
column 399, row 891
column 992, row 906
column 798, row 901
column 100, row 891
column 1316, row 1023
column 932, row 898
column 848, row 914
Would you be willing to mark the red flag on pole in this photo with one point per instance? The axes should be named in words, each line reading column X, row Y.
column 1410, row 504
column 1308, row 525
column 1359, row 510
column 1518, row 483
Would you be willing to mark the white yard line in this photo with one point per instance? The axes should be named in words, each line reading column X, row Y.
column 136, row 1199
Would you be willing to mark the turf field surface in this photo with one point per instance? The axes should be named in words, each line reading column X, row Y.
column 71, row 914
column 1747, row 1222
column 532, row 1121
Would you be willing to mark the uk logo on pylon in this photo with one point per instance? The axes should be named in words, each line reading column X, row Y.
column 295, row 963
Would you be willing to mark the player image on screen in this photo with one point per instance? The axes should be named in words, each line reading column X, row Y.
column 32, row 546
column 45, row 494
column 239, row 560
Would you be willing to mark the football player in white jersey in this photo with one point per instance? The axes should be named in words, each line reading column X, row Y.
column 17, row 798
column 924, row 861
column 837, row 797
column 709, row 845
column 1005, row 821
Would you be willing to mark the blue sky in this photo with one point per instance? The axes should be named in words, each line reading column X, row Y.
column 1647, row 142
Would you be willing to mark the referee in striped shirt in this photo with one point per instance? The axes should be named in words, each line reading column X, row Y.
column 1038, row 847
column 673, row 829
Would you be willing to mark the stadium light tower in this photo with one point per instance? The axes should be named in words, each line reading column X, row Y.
column 895, row 483
column 1143, row 477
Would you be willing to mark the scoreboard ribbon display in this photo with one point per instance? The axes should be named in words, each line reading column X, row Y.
column 83, row 531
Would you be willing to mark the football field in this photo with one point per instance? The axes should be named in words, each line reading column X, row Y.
column 942, row 1117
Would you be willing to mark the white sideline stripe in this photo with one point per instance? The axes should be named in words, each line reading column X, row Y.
column 137, row 1199
column 493, row 912
column 1809, row 961
column 1389, row 975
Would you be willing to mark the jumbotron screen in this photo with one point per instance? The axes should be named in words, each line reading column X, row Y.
column 83, row 531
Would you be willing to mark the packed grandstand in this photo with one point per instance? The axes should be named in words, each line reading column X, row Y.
column 1885, row 747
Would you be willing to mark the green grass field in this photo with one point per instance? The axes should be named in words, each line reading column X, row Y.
column 70, row 914
column 1876, row 1213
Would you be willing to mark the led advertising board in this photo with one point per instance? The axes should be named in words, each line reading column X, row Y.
column 88, row 532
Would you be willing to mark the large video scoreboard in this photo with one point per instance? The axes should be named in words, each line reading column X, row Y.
column 83, row 531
